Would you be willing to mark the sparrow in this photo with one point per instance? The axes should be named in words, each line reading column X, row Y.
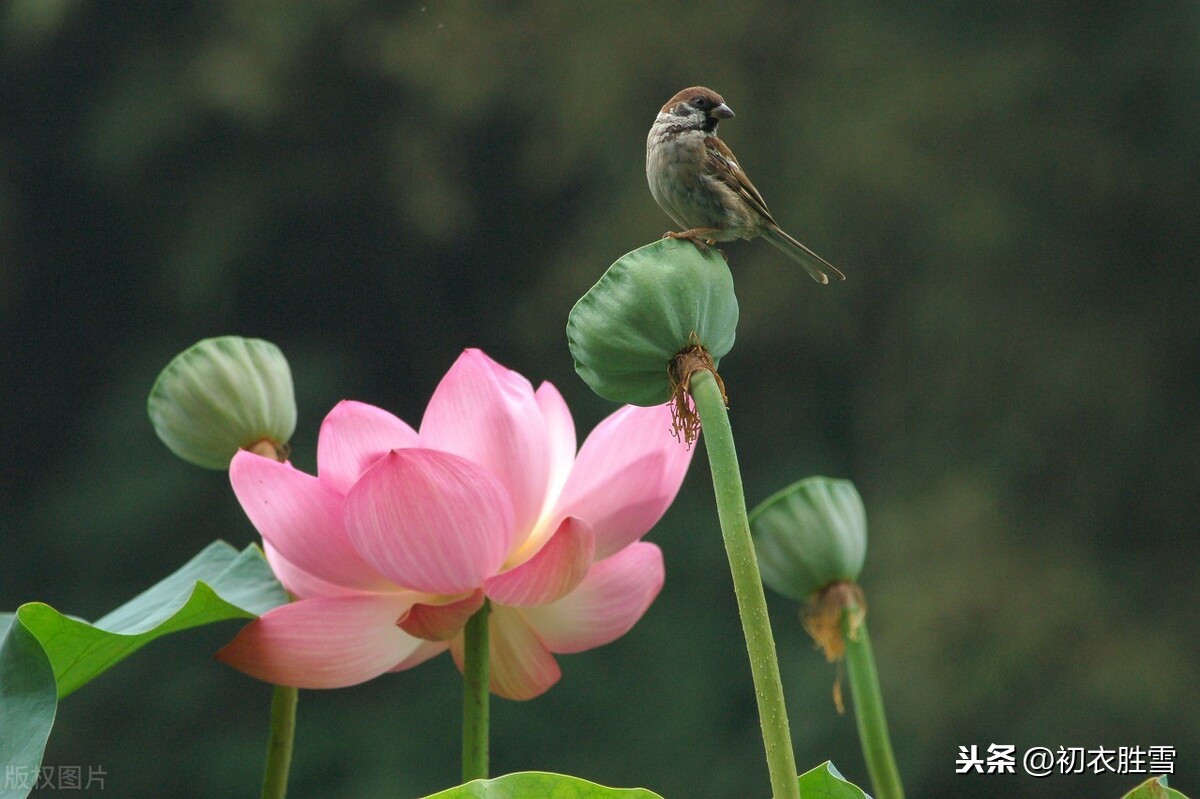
column 698, row 181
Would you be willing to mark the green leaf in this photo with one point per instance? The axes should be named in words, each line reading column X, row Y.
column 542, row 786
column 824, row 782
column 1154, row 788
column 27, row 706
column 627, row 329
column 218, row 584
column 45, row 655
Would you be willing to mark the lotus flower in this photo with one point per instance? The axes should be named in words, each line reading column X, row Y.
column 402, row 535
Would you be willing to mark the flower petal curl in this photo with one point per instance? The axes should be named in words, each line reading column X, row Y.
column 434, row 622
column 551, row 573
column 615, row 594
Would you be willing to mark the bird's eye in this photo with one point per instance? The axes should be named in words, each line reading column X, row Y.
column 700, row 102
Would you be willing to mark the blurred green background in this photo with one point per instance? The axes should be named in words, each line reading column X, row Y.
column 1009, row 374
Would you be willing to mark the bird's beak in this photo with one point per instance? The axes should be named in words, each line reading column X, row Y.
column 721, row 111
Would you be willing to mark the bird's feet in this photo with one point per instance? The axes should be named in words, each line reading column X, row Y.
column 698, row 236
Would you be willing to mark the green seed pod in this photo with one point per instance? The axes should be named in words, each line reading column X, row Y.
column 809, row 535
column 221, row 395
column 627, row 329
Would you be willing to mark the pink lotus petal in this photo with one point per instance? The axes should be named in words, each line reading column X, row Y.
column 302, row 519
column 353, row 436
column 626, row 475
column 427, row 650
column 520, row 666
column 553, row 572
column 488, row 415
column 430, row 521
column 431, row 622
column 614, row 595
column 323, row 643
column 560, row 428
column 300, row 583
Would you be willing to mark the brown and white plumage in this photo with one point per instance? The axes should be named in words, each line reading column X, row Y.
column 698, row 181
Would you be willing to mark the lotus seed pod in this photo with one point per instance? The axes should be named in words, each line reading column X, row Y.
column 221, row 395
column 809, row 535
column 651, row 304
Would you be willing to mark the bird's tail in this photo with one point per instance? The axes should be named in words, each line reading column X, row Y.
column 815, row 265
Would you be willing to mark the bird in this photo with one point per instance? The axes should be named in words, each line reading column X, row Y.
column 696, row 179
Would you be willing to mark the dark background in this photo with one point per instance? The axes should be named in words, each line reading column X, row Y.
column 1009, row 373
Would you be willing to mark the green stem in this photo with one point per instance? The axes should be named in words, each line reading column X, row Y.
column 279, row 741
column 868, row 710
column 475, row 697
column 747, row 584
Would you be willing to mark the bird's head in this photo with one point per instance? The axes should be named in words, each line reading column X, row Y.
column 698, row 107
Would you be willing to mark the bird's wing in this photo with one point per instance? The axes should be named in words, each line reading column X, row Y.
column 723, row 165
